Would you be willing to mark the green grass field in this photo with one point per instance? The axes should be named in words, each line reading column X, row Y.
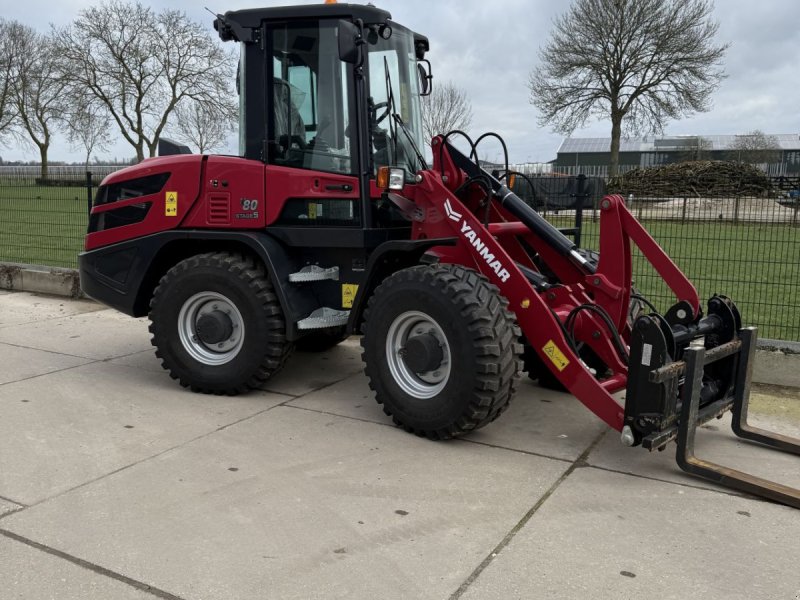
column 755, row 264
column 42, row 225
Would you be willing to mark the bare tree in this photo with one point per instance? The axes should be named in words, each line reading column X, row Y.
column 140, row 65
column 37, row 90
column 756, row 147
column 88, row 125
column 447, row 108
column 8, row 58
column 638, row 62
column 205, row 127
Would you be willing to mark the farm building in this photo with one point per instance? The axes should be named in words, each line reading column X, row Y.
column 783, row 158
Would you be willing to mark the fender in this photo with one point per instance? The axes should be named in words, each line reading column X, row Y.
column 124, row 275
column 387, row 258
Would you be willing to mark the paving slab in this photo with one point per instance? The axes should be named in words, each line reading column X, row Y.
column 544, row 422
column 145, row 360
column 350, row 397
column 22, row 363
column 30, row 574
column 25, row 307
column 539, row 421
column 64, row 429
column 308, row 371
column 100, row 335
column 298, row 504
column 605, row 535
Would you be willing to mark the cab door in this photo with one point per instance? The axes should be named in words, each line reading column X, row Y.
column 311, row 173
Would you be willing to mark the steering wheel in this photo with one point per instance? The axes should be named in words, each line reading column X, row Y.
column 287, row 141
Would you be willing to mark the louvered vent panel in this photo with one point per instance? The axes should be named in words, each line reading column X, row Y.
column 219, row 209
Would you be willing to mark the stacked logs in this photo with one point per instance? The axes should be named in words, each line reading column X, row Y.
column 695, row 179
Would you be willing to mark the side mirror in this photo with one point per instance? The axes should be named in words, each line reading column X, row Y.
column 425, row 77
column 350, row 39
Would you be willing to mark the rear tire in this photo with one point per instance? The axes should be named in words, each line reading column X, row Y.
column 217, row 325
column 465, row 362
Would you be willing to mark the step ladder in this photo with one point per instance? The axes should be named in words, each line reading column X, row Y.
column 324, row 318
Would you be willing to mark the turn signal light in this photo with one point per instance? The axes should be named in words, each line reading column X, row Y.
column 390, row 178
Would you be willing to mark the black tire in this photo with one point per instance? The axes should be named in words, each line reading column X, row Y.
column 242, row 285
column 320, row 341
column 481, row 344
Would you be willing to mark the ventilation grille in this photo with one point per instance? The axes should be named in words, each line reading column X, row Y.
column 219, row 209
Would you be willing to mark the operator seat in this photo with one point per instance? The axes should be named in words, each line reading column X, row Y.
column 290, row 130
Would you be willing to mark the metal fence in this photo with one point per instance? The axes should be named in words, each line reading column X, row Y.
column 745, row 247
column 43, row 222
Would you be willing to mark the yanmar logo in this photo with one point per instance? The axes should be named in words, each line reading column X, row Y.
column 472, row 237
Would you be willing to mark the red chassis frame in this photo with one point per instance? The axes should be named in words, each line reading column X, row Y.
column 496, row 251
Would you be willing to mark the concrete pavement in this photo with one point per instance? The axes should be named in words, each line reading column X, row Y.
column 117, row 483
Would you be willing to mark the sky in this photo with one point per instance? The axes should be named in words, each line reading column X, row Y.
column 488, row 48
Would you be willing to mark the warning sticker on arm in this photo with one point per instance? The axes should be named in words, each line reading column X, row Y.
column 555, row 355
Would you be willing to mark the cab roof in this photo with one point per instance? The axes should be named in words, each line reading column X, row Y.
column 231, row 24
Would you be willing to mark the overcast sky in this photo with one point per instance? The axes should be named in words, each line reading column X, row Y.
column 488, row 47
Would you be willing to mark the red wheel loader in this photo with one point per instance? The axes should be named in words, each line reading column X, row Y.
column 330, row 222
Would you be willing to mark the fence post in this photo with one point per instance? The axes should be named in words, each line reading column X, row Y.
column 89, row 191
column 580, row 198
column 683, row 212
column 736, row 210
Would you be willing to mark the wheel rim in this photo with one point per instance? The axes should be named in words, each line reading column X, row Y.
column 419, row 385
column 196, row 307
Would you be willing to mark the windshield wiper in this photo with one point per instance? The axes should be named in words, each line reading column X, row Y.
column 398, row 120
column 410, row 138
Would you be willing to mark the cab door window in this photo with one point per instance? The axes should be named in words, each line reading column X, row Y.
column 309, row 126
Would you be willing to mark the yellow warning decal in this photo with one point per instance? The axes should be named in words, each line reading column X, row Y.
column 555, row 355
column 171, row 204
column 348, row 294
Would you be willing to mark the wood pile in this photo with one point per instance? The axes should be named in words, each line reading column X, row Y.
column 695, row 179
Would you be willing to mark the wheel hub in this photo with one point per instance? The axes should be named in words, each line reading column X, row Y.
column 214, row 327
column 418, row 354
column 211, row 328
column 422, row 353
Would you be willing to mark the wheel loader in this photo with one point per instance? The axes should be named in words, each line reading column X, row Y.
column 331, row 222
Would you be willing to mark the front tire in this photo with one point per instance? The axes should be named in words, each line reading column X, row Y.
column 441, row 350
column 217, row 325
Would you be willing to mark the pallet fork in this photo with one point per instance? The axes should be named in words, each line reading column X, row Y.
column 691, row 416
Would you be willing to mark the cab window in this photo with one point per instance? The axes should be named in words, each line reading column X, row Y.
column 310, row 122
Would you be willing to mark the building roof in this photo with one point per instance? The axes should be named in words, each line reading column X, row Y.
column 786, row 141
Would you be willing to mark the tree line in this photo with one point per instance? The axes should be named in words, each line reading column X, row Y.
column 120, row 69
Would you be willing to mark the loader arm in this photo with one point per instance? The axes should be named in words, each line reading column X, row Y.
column 496, row 248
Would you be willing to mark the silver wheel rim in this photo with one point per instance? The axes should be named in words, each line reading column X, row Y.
column 210, row 354
column 419, row 385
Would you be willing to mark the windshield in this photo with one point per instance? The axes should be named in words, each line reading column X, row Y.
column 394, row 104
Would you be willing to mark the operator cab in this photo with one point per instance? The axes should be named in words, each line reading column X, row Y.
column 331, row 88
